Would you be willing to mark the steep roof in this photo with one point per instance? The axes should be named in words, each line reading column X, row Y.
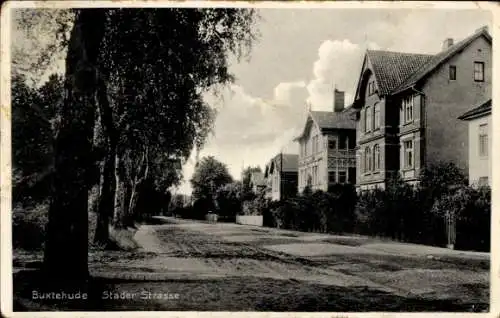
column 392, row 68
column 440, row 58
column 482, row 109
column 290, row 163
column 331, row 120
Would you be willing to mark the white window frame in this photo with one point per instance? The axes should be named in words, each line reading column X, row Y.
column 376, row 157
column 408, row 109
column 483, row 140
column 368, row 119
column 479, row 72
column 409, row 150
column 368, row 158
column 376, row 119
column 338, row 175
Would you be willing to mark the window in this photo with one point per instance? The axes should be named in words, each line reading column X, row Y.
column 408, row 147
column 363, row 122
column 376, row 156
column 318, row 144
column 332, row 177
column 453, row 72
column 332, row 144
column 343, row 142
column 371, row 88
column 315, row 174
column 479, row 71
column 483, row 140
column 368, row 159
column 368, row 119
column 408, row 109
column 376, row 116
column 342, row 176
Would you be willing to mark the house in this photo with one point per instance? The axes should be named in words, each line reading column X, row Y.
column 408, row 104
column 327, row 147
column 479, row 121
column 281, row 175
column 257, row 182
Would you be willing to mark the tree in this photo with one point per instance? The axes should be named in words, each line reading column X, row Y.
column 208, row 176
column 229, row 199
column 66, row 248
column 148, row 70
column 155, row 81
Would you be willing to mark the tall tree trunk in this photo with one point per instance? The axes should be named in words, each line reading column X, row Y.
column 106, row 200
column 108, row 187
column 136, row 187
column 66, row 247
column 120, row 194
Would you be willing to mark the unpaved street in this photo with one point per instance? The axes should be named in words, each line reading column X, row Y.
column 192, row 265
column 244, row 268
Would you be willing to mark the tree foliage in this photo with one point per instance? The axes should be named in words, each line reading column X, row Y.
column 209, row 175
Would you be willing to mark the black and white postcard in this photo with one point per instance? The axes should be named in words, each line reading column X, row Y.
column 287, row 157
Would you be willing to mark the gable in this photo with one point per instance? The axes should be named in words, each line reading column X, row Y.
column 310, row 127
column 439, row 59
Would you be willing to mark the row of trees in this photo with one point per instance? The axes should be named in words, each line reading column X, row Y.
column 128, row 111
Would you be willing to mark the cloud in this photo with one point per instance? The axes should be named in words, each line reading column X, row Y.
column 250, row 130
column 338, row 65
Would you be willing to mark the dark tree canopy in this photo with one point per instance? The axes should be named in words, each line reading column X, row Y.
column 209, row 176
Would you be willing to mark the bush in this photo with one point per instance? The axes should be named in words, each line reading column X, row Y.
column 398, row 213
column 28, row 226
column 315, row 211
column 471, row 208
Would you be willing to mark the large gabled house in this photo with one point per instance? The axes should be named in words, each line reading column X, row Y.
column 408, row 107
column 326, row 147
column 480, row 147
column 281, row 176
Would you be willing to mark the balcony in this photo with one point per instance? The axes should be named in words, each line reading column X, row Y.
column 347, row 153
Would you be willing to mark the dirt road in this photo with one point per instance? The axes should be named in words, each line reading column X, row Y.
column 189, row 265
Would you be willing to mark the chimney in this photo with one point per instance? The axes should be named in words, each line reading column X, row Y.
column 447, row 43
column 338, row 101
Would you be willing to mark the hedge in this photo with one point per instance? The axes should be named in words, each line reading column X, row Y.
column 400, row 212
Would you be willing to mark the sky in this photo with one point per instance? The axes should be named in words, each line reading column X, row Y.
column 300, row 56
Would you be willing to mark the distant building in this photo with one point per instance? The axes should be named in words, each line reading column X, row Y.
column 327, row 147
column 257, row 182
column 479, row 120
column 281, row 176
column 408, row 105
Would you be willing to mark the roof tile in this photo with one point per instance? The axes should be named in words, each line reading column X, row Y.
column 392, row 68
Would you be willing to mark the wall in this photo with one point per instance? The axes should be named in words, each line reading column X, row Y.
column 479, row 166
column 365, row 179
column 446, row 137
column 310, row 160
